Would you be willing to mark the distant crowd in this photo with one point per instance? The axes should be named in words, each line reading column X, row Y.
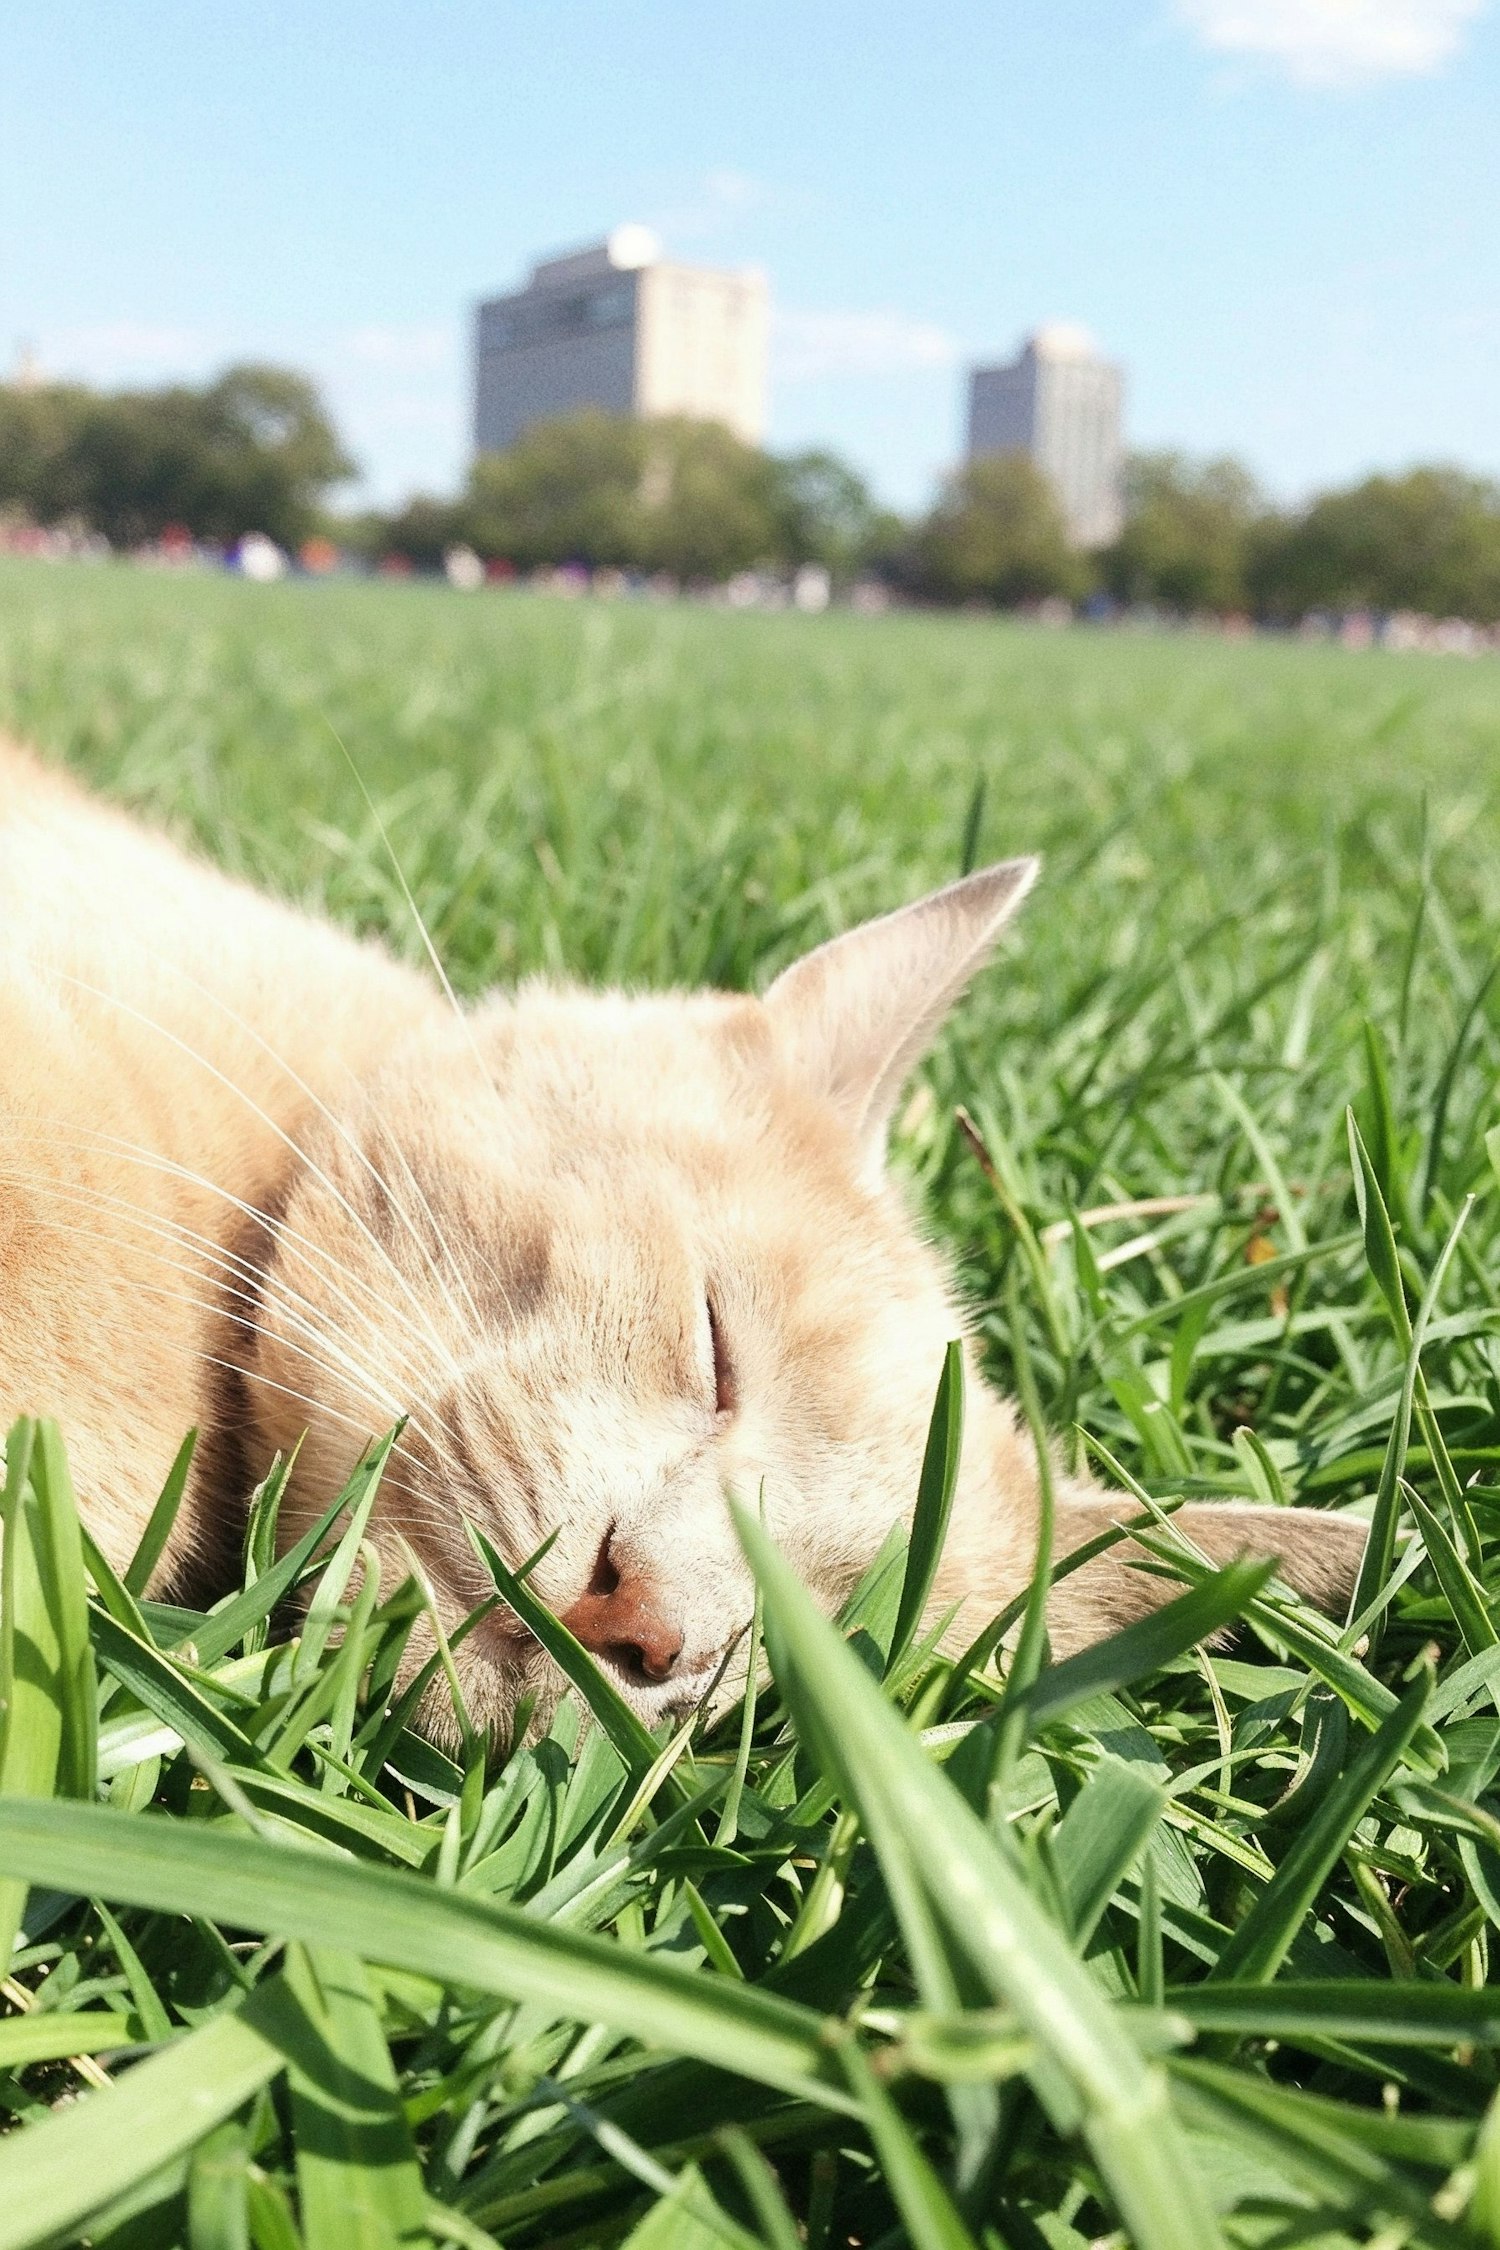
column 241, row 473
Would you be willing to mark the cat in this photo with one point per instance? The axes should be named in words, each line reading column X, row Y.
column 612, row 1255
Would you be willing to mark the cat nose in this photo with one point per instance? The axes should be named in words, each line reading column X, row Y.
column 623, row 1618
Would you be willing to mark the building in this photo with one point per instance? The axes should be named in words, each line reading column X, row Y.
column 620, row 327
column 1058, row 402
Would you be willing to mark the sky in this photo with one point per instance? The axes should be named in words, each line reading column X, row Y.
column 1281, row 216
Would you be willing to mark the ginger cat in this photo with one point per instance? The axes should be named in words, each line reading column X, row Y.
column 612, row 1254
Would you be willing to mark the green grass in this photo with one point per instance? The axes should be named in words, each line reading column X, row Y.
column 1136, row 1947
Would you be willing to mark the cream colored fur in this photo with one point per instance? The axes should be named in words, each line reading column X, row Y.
column 255, row 1176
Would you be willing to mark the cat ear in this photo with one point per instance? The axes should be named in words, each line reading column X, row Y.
column 858, row 1014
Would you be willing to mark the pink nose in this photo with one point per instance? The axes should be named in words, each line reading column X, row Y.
column 622, row 1618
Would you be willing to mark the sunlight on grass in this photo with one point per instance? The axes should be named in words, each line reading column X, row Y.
column 1190, row 1944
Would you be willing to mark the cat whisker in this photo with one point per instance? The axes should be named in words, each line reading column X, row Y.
column 183, row 1046
column 350, row 1139
column 274, row 1226
column 214, row 1359
column 207, row 1250
column 386, row 1399
column 447, row 1249
column 285, row 1235
column 411, row 905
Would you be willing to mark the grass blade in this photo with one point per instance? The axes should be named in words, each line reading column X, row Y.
column 636, row 1745
column 52, row 2036
column 60, row 1545
column 358, row 2180
column 1329, row 2146
column 359, row 1497
column 1101, row 1835
column 937, row 1856
column 1260, row 1944
column 929, row 1527
column 158, row 1531
column 404, row 1922
column 55, row 2173
column 219, row 2192
column 237, row 1619
column 1011, row 1719
column 158, row 1683
column 927, row 2211
column 1366, row 2011
column 1375, row 1567
column 1466, row 1596
column 1144, row 1647
column 31, row 1714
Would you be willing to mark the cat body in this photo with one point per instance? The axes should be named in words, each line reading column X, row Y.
column 164, row 1032
column 611, row 1255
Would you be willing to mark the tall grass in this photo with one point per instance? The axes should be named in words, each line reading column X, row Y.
column 1158, row 1944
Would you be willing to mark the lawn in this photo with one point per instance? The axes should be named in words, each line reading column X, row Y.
column 1154, row 1946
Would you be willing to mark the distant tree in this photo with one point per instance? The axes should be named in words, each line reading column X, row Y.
column 824, row 512
column 1428, row 540
column 1188, row 533
column 707, row 504
column 423, row 531
column 676, row 495
column 997, row 535
column 252, row 451
column 889, row 548
column 41, row 473
column 366, row 533
column 568, row 490
column 273, row 445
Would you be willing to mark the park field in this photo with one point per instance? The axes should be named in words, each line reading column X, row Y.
column 1155, row 1946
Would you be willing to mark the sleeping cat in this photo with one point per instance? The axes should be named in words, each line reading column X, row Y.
column 612, row 1255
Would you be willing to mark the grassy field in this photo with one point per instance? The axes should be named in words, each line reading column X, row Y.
column 1153, row 1946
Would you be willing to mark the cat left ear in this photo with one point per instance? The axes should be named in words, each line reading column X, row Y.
column 856, row 1016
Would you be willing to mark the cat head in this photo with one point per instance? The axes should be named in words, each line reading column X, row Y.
column 616, row 1256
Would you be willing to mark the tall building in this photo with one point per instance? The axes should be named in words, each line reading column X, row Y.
column 1059, row 402
column 620, row 327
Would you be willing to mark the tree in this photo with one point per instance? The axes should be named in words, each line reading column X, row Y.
column 40, row 470
column 1428, row 541
column 423, row 531
column 707, row 502
column 252, row 451
column 997, row 535
column 270, row 451
column 1188, row 533
column 824, row 513
column 568, row 490
column 676, row 495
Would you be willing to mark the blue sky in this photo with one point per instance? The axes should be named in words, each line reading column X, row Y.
column 1283, row 216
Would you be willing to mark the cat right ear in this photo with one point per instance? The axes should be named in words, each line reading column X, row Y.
column 856, row 1016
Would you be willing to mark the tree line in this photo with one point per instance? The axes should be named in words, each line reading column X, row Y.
column 256, row 450
column 682, row 497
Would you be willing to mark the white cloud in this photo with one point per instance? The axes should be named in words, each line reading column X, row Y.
column 806, row 345
column 729, row 190
column 1335, row 42
column 122, row 351
column 713, row 205
column 380, row 345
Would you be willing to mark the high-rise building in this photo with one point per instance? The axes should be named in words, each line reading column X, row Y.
column 1058, row 402
column 620, row 327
